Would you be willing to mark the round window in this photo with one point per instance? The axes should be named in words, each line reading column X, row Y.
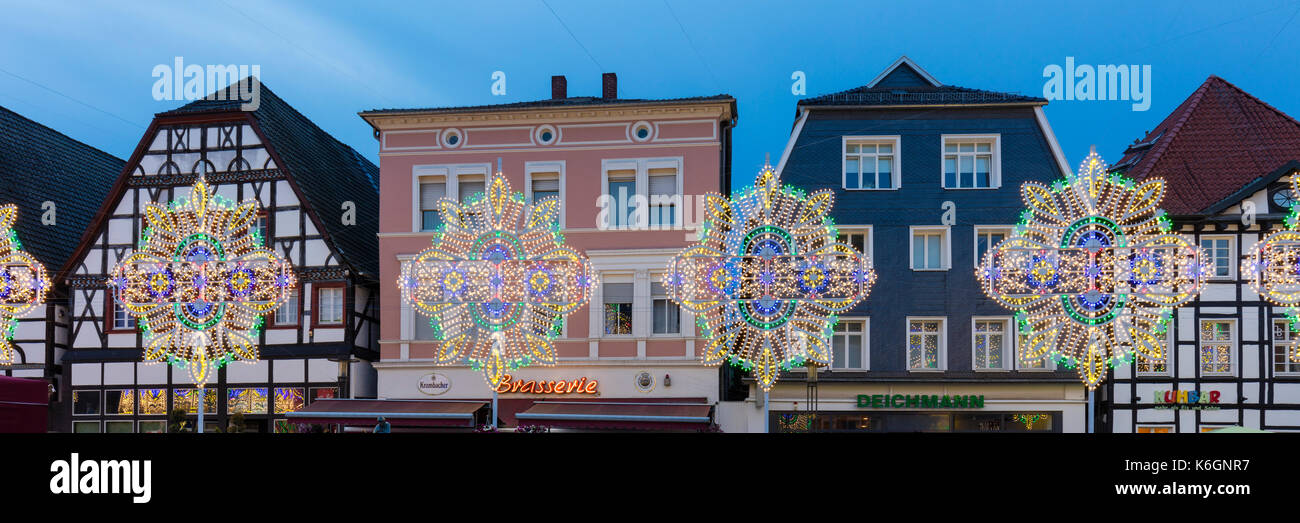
column 451, row 138
column 641, row 131
column 546, row 134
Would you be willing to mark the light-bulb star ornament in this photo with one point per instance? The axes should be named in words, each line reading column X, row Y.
column 200, row 282
column 1273, row 268
column 1094, row 271
column 23, row 282
column 767, row 279
column 497, row 282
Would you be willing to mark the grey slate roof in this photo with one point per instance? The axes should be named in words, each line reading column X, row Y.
column 906, row 86
column 39, row 164
column 918, row 95
column 573, row 101
column 327, row 171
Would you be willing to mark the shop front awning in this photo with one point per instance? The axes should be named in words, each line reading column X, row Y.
column 617, row 415
column 24, row 404
column 398, row 413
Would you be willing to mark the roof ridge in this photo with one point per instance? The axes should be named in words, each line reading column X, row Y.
column 1254, row 98
column 61, row 133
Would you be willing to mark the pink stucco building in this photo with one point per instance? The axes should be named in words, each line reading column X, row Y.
column 639, row 347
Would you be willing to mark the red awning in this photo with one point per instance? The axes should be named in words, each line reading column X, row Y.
column 618, row 415
column 398, row 413
column 24, row 404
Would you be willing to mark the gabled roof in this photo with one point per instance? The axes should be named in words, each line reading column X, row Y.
column 905, row 83
column 326, row 171
column 39, row 164
column 1218, row 141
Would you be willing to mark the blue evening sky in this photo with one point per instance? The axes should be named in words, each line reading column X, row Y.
column 84, row 68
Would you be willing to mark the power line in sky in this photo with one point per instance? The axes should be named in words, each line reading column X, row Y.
column 52, row 90
column 571, row 35
column 716, row 83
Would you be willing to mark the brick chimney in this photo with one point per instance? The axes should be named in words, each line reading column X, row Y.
column 609, row 86
column 559, row 87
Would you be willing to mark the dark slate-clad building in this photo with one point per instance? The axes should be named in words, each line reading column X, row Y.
column 318, row 208
column 57, row 184
column 1227, row 159
column 927, row 176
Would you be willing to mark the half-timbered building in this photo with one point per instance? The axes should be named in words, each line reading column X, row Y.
column 318, row 200
column 57, row 184
column 1227, row 159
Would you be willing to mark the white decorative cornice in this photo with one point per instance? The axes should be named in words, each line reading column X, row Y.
column 632, row 112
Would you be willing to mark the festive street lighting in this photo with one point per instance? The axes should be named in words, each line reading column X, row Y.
column 768, row 278
column 200, row 283
column 23, row 282
column 497, row 282
column 1273, row 267
column 1094, row 271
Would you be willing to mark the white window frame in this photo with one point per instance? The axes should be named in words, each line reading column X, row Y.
column 531, row 168
column 867, row 245
column 1232, row 250
column 1294, row 341
column 1232, row 346
column 296, row 300
column 896, row 176
column 945, row 260
column 1049, row 364
column 866, row 344
column 617, row 278
column 995, row 170
column 1008, row 341
column 681, row 312
column 943, row 342
column 1169, row 351
column 450, row 174
column 320, row 302
column 415, row 319
column 1007, row 230
column 469, row 171
column 642, row 167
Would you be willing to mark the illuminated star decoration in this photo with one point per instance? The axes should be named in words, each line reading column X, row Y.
column 200, row 282
column 1273, row 267
column 768, row 278
column 23, row 282
column 497, row 282
column 1093, row 271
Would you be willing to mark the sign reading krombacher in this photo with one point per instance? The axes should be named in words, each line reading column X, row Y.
column 921, row 401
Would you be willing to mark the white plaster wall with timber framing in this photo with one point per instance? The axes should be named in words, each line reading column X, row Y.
column 1258, row 392
column 239, row 168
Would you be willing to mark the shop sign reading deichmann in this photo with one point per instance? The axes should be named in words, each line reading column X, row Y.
column 919, row 401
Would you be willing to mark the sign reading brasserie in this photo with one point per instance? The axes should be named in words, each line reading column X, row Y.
column 434, row 384
column 576, row 386
column 919, row 401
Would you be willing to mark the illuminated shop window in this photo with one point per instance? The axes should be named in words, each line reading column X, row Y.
column 288, row 399
column 246, row 400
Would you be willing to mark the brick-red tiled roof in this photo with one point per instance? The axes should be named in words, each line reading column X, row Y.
column 1218, row 141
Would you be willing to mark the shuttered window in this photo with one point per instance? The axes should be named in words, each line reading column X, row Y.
column 430, row 194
